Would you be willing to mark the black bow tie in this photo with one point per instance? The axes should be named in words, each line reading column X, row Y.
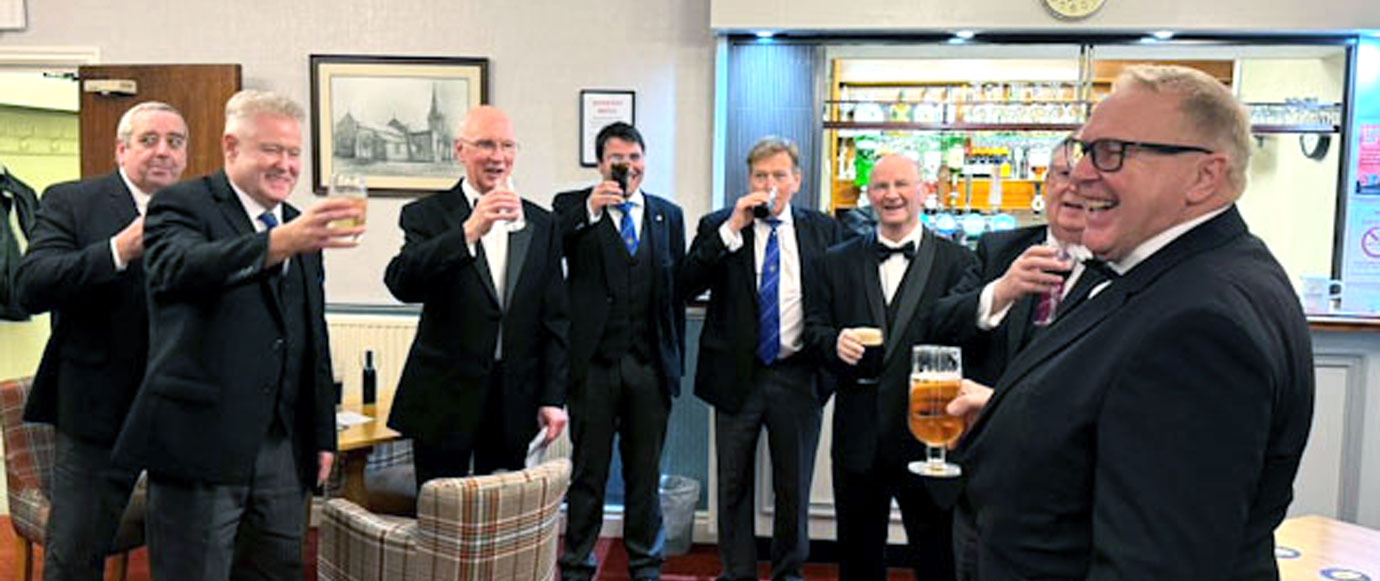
column 884, row 252
column 1104, row 270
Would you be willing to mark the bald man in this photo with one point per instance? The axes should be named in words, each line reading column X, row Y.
column 891, row 279
column 489, row 357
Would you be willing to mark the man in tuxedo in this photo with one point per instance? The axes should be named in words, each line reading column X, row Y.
column 623, row 249
column 85, row 266
column 235, row 417
column 1018, row 273
column 891, row 279
column 753, row 366
column 1154, row 432
column 488, row 365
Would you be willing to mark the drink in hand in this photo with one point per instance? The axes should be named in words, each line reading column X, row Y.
column 929, row 423
column 351, row 187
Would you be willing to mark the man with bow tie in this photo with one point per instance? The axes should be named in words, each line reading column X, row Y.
column 753, row 367
column 891, row 279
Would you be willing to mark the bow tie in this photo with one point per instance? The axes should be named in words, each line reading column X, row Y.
column 1101, row 268
column 884, row 252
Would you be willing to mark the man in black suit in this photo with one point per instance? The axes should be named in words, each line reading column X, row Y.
column 891, row 279
column 1017, row 269
column 488, row 365
column 235, row 417
column 85, row 266
column 1154, row 432
column 753, row 367
column 623, row 249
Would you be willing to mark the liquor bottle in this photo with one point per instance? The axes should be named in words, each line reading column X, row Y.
column 370, row 383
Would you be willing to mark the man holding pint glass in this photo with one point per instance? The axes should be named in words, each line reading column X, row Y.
column 888, row 282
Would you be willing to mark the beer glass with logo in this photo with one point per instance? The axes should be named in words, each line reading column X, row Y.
column 936, row 373
column 870, row 365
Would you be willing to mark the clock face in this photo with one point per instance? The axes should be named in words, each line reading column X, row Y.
column 1073, row 9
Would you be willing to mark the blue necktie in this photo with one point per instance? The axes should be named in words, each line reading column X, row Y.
column 626, row 230
column 768, row 313
column 268, row 220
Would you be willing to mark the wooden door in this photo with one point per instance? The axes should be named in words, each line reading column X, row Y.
column 198, row 91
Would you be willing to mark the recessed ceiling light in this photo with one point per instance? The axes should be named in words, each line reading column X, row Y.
column 964, row 34
column 765, row 34
column 1163, row 34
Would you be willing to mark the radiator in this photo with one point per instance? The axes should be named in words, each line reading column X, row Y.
column 388, row 336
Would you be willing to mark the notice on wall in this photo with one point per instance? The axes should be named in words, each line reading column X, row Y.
column 1368, row 160
column 1361, row 262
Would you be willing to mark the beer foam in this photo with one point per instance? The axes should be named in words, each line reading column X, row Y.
column 868, row 336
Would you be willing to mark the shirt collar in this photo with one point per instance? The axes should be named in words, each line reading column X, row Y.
column 638, row 199
column 1077, row 251
column 1158, row 241
column 913, row 236
column 787, row 219
column 253, row 208
column 141, row 198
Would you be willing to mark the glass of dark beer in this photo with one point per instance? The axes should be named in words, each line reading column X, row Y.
column 935, row 377
column 870, row 366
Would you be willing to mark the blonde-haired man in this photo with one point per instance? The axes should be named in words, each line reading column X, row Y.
column 1154, row 432
column 234, row 421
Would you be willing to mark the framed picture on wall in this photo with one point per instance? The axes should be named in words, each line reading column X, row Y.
column 391, row 119
column 598, row 109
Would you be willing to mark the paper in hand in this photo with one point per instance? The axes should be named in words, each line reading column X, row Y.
column 536, row 449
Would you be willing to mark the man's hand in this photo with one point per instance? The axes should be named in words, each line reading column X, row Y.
column 972, row 397
column 553, row 419
column 130, row 241
column 742, row 210
column 1031, row 272
column 849, row 347
column 312, row 231
column 605, row 193
column 324, row 460
column 498, row 204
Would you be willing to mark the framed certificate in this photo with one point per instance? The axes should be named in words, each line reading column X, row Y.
column 598, row 109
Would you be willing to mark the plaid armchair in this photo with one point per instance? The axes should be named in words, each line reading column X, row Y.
column 30, row 451
column 503, row 526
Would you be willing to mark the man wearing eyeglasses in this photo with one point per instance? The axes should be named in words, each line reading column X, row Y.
column 487, row 368
column 1154, row 432
column 624, row 249
column 86, row 266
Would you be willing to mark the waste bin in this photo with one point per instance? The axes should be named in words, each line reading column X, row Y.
column 679, row 495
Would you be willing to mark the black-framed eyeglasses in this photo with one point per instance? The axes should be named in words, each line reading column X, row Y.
column 1108, row 154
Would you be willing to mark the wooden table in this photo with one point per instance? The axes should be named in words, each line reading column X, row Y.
column 1312, row 548
column 355, row 443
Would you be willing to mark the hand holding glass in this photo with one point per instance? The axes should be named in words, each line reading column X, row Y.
column 935, row 378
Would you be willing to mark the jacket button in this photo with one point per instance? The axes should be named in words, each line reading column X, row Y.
column 609, row 299
column 277, row 344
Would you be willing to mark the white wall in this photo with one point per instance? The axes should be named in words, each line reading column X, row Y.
column 1027, row 15
column 541, row 54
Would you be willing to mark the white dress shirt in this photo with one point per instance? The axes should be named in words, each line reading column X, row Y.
column 893, row 270
column 790, row 300
column 616, row 216
column 254, row 209
column 495, row 243
column 141, row 205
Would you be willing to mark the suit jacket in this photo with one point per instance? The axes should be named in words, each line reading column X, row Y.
column 729, row 341
column 441, row 390
column 985, row 356
column 95, row 356
column 870, row 426
column 216, row 343
column 589, row 246
column 1155, row 431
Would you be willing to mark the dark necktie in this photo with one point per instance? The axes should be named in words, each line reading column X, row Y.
column 269, row 220
column 626, row 230
column 884, row 252
column 768, row 314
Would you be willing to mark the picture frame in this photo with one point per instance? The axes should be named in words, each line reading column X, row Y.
column 392, row 119
column 598, row 109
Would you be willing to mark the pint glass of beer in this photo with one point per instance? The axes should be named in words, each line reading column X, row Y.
column 870, row 366
column 936, row 373
column 350, row 186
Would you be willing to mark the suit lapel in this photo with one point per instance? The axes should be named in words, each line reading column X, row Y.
column 912, row 287
column 229, row 203
column 481, row 260
column 872, row 282
column 1019, row 323
column 518, row 242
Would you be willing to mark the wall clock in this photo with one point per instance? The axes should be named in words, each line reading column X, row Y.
column 1073, row 9
column 1314, row 145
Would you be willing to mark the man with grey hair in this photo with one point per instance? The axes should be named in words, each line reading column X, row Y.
column 1154, row 432
column 234, row 420
column 85, row 266
column 757, row 259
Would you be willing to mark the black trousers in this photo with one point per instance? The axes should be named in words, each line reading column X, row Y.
column 863, row 509
column 215, row 532
column 627, row 399
column 782, row 399
column 89, row 497
column 492, row 446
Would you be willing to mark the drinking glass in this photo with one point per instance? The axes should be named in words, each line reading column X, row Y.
column 935, row 377
column 350, row 186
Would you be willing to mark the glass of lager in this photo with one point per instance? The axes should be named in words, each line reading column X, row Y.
column 935, row 376
column 350, row 186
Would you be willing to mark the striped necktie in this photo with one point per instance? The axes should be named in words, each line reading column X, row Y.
column 768, row 313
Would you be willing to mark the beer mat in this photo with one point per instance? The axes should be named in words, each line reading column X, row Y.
column 347, row 418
